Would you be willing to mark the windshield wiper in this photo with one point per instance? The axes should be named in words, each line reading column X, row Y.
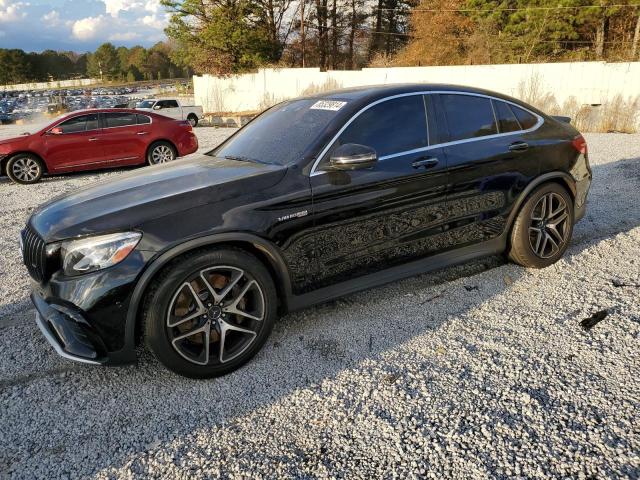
column 241, row 158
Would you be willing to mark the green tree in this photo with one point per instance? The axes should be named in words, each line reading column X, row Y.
column 15, row 66
column 104, row 63
column 220, row 37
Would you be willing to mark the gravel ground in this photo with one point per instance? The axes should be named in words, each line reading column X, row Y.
column 475, row 371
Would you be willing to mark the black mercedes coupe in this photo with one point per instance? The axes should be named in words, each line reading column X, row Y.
column 315, row 198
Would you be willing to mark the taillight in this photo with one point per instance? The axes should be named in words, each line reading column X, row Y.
column 580, row 144
column 185, row 123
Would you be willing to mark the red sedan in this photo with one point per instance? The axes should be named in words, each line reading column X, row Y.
column 91, row 139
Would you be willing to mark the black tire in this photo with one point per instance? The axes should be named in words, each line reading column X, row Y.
column 193, row 120
column 542, row 231
column 161, row 152
column 25, row 169
column 172, row 313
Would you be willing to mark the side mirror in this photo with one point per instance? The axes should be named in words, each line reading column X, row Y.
column 157, row 107
column 352, row 156
column 56, row 131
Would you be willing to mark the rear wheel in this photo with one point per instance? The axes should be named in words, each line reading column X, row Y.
column 161, row 152
column 542, row 231
column 210, row 312
column 193, row 120
column 25, row 169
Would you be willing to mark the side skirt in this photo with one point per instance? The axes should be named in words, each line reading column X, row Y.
column 435, row 262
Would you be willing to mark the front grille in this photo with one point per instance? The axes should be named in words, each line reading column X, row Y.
column 34, row 254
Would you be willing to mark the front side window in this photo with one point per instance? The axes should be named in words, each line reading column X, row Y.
column 81, row 123
column 468, row 116
column 119, row 119
column 390, row 127
column 506, row 119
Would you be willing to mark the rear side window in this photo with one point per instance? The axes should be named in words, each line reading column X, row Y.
column 390, row 127
column 507, row 121
column 525, row 118
column 80, row 124
column 119, row 119
column 468, row 116
column 143, row 119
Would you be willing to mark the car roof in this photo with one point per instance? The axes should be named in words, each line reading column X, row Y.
column 366, row 94
column 105, row 110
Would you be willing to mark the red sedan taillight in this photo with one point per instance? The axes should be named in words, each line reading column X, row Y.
column 185, row 123
column 580, row 144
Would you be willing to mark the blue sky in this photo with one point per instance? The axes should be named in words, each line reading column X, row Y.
column 80, row 25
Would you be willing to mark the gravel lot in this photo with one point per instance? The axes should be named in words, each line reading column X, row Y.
column 475, row 371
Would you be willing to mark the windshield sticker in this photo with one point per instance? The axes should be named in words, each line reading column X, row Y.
column 332, row 105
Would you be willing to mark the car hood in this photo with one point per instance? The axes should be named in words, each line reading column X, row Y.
column 19, row 138
column 151, row 192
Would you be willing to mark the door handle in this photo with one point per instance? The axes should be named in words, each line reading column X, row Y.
column 94, row 139
column 143, row 133
column 518, row 147
column 426, row 162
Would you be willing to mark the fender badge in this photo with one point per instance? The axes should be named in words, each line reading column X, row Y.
column 302, row 213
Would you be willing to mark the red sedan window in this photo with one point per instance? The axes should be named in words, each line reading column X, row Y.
column 80, row 124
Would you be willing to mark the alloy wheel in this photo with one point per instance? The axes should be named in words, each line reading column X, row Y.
column 215, row 315
column 26, row 169
column 549, row 226
column 161, row 154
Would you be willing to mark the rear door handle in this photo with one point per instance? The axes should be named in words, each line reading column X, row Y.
column 143, row 133
column 426, row 162
column 93, row 139
column 518, row 147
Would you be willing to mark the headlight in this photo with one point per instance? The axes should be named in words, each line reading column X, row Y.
column 95, row 253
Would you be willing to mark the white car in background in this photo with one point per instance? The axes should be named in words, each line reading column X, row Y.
column 172, row 107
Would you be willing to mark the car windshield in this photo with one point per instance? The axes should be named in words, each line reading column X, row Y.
column 282, row 134
column 146, row 104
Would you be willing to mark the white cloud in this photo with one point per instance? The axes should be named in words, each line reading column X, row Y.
column 80, row 24
column 114, row 7
column 152, row 6
column 52, row 18
column 88, row 28
column 10, row 11
column 154, row 22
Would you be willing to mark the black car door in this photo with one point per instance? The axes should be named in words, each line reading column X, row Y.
column 491, row 156
column 371, row 219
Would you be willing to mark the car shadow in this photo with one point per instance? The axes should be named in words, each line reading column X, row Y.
column 349, row 336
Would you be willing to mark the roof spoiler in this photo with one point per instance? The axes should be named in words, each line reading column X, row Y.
column 562, row 119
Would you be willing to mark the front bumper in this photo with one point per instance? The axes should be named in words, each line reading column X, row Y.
column 69, row 333
column 85, row 317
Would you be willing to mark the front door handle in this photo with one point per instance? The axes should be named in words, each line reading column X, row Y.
column 518, row 147
column 426, row 162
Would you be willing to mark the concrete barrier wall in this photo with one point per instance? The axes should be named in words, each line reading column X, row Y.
column 584, row 82
column 81, row 82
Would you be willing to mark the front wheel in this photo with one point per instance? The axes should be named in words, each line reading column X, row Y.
column 161, row 152
column 193, row 120
column 210, row 312
column 543, row 228
column 25, row 169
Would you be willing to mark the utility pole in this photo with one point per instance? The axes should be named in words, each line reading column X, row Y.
column 302, row 35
